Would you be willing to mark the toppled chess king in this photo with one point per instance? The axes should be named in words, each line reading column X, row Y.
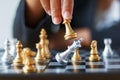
column 63, row 56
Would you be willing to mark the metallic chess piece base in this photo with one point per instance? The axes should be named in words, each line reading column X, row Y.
column 40, row 60
column 70, row 36
column 18, row 64
column 94, row 58
column 30, row 69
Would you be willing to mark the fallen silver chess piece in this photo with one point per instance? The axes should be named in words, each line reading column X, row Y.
column 63, row 56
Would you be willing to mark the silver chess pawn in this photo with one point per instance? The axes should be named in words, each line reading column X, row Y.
column 63, row 56
column 107, row 52
column 7, row 58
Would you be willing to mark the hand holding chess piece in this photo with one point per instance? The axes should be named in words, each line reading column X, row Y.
column 69, row 32
column 29, row 63
column 94, row 52
column 63, row 56
column 18, row 61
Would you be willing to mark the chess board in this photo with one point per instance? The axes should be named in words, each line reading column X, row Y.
column 104, row 66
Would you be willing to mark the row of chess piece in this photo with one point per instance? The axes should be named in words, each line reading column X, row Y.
column 25, row 56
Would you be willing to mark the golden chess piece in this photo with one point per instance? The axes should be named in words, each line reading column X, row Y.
column 47, row 51
column 69, row 34
column 94, row 52
column 39, row 58
column 44, row 44
column 75, row 66
column 29, row 63
column 92, row 65
column 76, row 57
column 18, row 61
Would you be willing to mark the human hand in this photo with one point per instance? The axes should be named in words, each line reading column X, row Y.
column 58, row 9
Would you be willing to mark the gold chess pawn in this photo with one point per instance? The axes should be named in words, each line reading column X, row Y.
column 76, row 57
column 94, row 52
column 39, row 58
column 18, row 61
column 70, row 34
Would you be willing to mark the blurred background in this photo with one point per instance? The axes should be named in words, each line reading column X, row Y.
column 7, row 14
column 8, row 9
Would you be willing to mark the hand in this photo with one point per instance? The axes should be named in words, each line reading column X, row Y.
column 58, row 9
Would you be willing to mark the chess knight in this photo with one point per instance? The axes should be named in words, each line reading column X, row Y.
column 28, row 61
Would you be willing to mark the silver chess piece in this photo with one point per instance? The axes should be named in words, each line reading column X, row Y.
column 7, row 58
column 107, row 52
column 13, row 47
column 63, row 56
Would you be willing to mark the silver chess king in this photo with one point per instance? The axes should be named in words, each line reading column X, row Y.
column 63, row 56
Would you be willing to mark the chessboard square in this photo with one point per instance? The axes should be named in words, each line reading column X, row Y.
column 55, row 64
column 114, row 60
column 55, row 67
column 96, row 70
column 112, row 66
column 114, row 63
column 54, row 70
column 76, row 63
column 53, row 60
column 40, row 67
column 95, row 63
column 87, row 60
column 75, row 67
column 95, row 66
column 75, row 70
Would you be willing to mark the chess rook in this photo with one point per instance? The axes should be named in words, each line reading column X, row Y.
column 63, row 56
column 69, row 34
column 107, row 52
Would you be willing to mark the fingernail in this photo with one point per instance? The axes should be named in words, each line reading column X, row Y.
column 56, row 20
column 67, row 15
column 49, row 12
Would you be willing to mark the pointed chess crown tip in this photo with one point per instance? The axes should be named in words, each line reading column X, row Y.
column 43, row 31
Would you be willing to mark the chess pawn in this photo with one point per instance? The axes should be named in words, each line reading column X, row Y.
column 76, row 57
column 39, row 58
column 7, row 59
column 29, row 63
column 94, row 52
column 69, row 31
column 18, row 61
column 107, row 52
